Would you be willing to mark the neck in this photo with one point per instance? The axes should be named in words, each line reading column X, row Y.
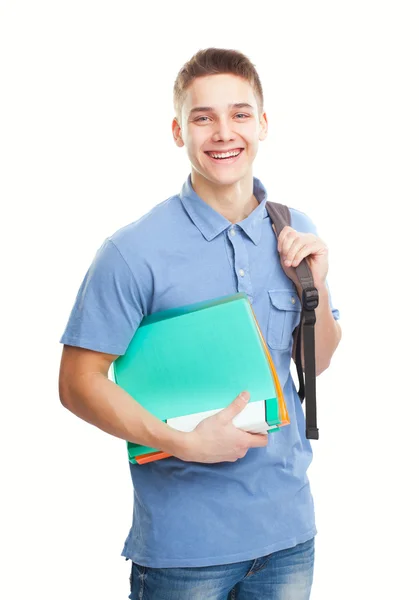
column 234, row 201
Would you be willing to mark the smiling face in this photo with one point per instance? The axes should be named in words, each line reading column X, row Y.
column 220, row 127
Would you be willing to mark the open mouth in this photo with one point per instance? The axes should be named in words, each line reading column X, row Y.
column 225, row 157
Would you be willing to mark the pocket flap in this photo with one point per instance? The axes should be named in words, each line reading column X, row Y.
column 285, row 299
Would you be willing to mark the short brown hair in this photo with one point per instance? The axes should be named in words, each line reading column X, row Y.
column 213, row 61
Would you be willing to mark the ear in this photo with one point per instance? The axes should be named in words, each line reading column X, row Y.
column 263, row 132
column 177, row 133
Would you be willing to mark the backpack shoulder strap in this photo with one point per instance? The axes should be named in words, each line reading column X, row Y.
column 281, row 217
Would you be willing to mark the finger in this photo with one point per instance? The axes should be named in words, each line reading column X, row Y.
column 228, row 413
column 303, row 252
column 286, row 239
column 294, row 248
column 257, row 440
column 285, row 231
column 300, row 249
column 305, row 240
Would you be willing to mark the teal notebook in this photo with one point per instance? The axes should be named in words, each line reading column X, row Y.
column 193, row 359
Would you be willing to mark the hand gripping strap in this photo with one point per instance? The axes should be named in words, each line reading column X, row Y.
column 281, row 217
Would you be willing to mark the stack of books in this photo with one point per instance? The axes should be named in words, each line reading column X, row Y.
column 185, row 364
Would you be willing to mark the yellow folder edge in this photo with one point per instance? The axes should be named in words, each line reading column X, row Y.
column 285, row 420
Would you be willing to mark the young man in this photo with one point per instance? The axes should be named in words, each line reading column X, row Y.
column 231, row 513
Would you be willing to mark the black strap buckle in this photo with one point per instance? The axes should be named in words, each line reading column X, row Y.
column 310, row 299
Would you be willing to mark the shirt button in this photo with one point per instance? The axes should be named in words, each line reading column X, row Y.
column 241, row 273
column 293, row 299
column 233, row 231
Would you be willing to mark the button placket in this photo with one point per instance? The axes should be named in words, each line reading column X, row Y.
column 241, row 262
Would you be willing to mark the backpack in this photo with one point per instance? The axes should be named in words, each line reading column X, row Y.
column 281, row 217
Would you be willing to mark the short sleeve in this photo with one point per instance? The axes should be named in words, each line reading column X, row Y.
column 107, row 310
column 301, row 222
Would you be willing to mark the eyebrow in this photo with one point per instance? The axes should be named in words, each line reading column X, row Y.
column 210, row 109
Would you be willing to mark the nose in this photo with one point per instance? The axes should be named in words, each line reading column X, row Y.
column 223, row 131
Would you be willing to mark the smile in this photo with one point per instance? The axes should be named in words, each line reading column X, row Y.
column 225, row 157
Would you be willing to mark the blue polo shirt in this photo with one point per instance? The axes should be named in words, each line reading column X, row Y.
column 182, row 252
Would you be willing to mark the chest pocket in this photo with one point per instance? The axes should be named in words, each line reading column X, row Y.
column 284, row 316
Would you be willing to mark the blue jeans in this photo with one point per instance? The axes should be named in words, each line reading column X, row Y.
column 283, row 575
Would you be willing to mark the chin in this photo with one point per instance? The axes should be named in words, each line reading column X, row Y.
column 227, row 178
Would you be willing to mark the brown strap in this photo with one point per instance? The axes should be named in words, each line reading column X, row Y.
column 281, row 217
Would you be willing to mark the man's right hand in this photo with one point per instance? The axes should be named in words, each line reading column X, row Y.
column 216, row 439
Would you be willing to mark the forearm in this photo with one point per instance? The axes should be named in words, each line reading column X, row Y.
column 327, row 332
column 99, row 401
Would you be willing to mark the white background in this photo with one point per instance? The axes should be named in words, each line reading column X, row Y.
column 86, row 147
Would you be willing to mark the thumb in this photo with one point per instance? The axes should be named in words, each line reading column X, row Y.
column 239, row 403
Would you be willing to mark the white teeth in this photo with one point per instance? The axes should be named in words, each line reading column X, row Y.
column 224, row 154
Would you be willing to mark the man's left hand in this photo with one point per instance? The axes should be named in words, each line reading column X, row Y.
column 294, row 246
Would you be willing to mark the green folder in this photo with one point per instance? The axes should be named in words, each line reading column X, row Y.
column 198, row 358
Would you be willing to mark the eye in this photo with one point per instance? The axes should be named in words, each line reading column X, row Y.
column 199, row 119
column 242, row 115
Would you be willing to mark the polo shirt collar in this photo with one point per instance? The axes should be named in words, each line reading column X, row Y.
column 211, row 223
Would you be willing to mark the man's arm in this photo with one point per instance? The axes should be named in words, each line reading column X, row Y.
column 85, row 390
column 293, row 247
